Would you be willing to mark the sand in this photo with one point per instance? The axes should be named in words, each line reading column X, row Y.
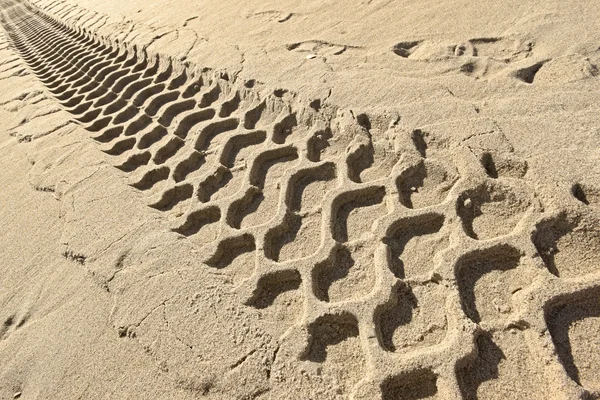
column 316, row 200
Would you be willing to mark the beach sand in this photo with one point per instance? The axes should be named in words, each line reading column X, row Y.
column 281, row 200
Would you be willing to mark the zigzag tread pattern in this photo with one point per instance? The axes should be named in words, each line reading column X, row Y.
column 376, row 234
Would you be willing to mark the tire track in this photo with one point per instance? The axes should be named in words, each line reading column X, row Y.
column 365, row 234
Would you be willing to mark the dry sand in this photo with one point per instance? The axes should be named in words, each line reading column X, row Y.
column 299, row 200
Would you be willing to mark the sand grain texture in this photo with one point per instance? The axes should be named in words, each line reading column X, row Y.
column 374, row 200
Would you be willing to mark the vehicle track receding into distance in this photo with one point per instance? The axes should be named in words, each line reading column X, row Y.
column 395, row 248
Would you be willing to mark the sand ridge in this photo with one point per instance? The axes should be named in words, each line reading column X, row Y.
column 416, row 266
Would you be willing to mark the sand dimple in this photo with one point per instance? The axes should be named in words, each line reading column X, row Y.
column 357, row 213
column 372, row 156
column 503, row 165
column 587, row 194
column 415, row 319
column 238, row 154
column 334, row 343
column 300, row 234
column 503, row 356
column 347, row 274
column 236, row 257
column 264, row 204
column 503, row 49
column 425, row 184
column 412, row 386
column 349, row 271
column 569, row 244
column 488, row 279
column 574, row 330
column 202, row 224
column 384, row 158
column 221, row 184
column 481, row 209
column 414, row 243
column 297, row 237
column 279, row 300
